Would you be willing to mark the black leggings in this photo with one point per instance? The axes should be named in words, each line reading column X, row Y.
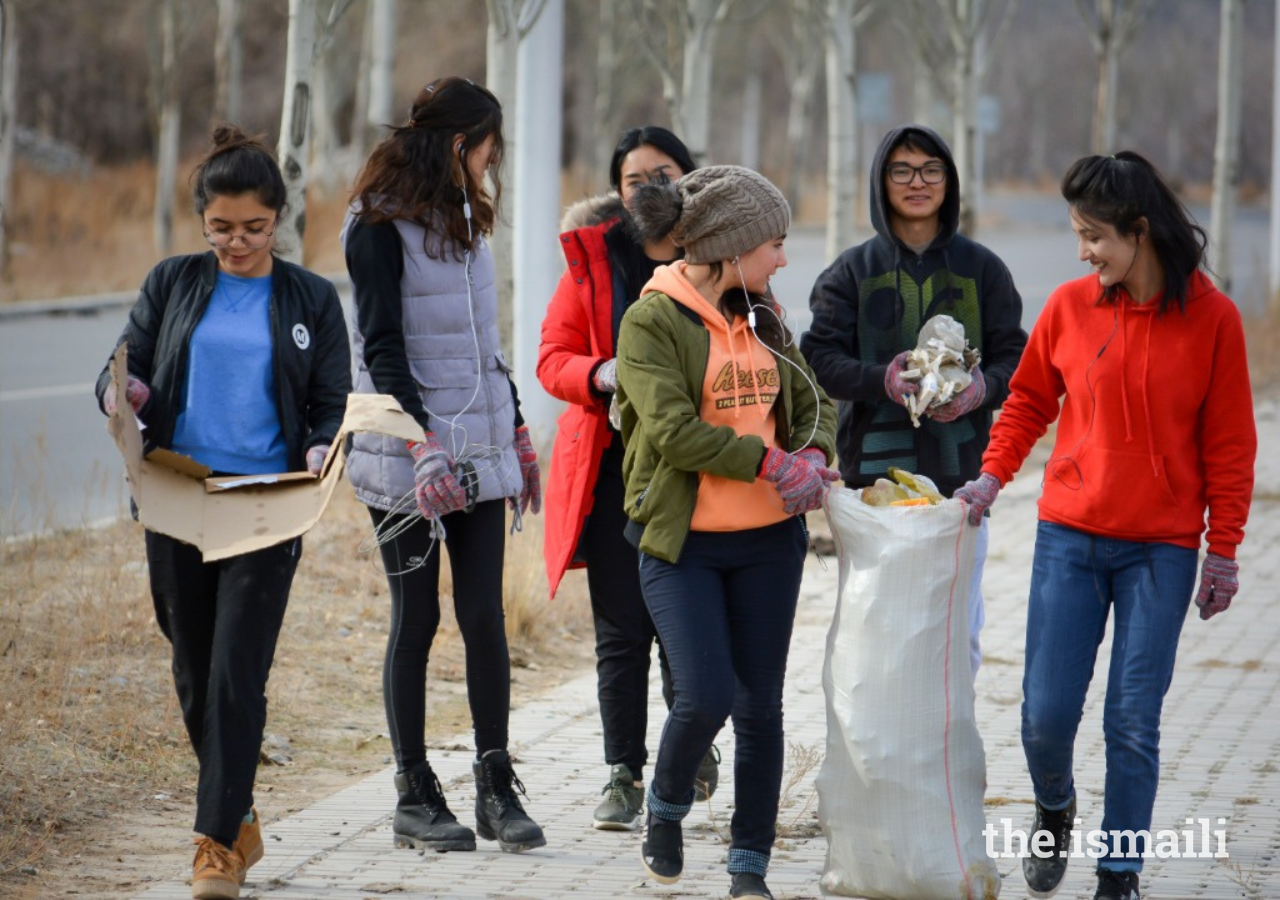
column 475, row 542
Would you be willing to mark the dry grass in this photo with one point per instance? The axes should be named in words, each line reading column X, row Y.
column 74, row 235
column 91, row 735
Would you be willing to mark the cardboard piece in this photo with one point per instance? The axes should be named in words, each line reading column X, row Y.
column 236, row 514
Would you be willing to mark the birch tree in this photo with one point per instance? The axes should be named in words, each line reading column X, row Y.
column 381, row 47
column 168, row 132
column 968, row 43
column 678, row 37
column 1273, row 283
column 800, row 65
column 305, row 42
column 606, row 115
column 509, row 22
column 228, row 61
column 1226, row 152
column 1112, row 26
column 844, row 171
column 8, row 113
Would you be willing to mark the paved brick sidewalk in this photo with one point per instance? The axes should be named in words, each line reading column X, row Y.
column 1221, row 754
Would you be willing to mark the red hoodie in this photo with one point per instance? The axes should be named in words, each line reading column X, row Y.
column 1157, row 420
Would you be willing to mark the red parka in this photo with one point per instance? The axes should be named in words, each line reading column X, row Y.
column 577, row 336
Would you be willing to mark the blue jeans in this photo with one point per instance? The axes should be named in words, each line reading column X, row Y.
column 724, row 613
column 1077, row 581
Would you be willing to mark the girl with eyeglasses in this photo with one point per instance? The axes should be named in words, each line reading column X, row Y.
column 240, row 361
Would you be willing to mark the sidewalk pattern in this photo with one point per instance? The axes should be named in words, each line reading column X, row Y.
column 1221, row 756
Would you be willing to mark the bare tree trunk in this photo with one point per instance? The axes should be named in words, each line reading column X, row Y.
column 228, row 61
column 8, row 116
column 749, row 152
column 705, row 17
column 1274, row 281
column 1226, row 153
column 605, row 102
column 382, row 69
column 536, row 210
column 295, row 126
column 843, row 173
column 502, row 43
column 170, row 122
column 1112, row 25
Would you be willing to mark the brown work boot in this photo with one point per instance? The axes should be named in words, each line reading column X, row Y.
column 249, row 844
column 217, row 871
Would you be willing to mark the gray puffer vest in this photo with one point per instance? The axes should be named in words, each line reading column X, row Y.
column 455, row 355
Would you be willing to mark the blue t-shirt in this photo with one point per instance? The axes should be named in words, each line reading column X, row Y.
column 229, row 420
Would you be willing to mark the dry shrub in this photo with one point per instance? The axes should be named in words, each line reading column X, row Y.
column 71, row 234
column 1262, row 338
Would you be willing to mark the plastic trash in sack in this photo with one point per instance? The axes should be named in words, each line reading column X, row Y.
column 901, row 786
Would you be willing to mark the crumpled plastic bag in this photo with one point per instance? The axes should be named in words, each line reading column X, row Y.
column 940, row 363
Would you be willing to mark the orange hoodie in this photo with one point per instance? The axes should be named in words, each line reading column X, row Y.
column 739, row 390
column 1156, row 424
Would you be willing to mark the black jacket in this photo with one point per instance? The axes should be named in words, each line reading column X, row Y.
column 309, row 334
column 870, row 304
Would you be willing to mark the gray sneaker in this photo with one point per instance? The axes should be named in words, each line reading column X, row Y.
column 623, row 801
column 704, row 785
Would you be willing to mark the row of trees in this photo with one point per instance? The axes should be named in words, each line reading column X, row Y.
column 716, row 69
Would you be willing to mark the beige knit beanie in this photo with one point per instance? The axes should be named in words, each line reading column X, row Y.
column 726, row 211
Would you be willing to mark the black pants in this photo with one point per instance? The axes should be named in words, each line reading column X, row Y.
column 222, row 619
column 624, row 630
column 475, row 542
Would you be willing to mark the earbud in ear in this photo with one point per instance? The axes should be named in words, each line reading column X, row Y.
column 457, row 148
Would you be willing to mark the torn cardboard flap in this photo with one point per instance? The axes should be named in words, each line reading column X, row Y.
column 230, row 515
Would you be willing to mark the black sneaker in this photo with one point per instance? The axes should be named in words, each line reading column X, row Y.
column 1044, row 873
column 662, row 852
column 749, row 886
column 1114, row 885
column 704, row 784
column 623, row 801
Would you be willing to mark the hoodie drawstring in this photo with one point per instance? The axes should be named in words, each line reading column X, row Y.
column 1146, row 399
column 1124, row 358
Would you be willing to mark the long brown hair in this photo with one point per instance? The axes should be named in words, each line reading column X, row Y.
column 415, row 173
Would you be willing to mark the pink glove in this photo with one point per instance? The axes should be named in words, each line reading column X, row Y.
column 1219, row 581
column 816, row 458
column 135, row 391
column 315, row 458
column 964, row 402
column 436, row 488
column 798, row 481
column 895, row 385
column 979, row 494
column 531, row 492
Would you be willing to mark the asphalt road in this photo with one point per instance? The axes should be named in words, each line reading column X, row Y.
column 59, row 469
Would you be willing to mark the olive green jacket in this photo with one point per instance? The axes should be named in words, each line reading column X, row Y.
column 662, row 363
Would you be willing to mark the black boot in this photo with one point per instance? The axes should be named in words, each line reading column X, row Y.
column 422, row 819
column 499, row 815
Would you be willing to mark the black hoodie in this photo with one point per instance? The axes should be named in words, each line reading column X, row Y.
column 870, row 304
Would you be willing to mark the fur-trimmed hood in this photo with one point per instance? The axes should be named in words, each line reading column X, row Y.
column 591, row 211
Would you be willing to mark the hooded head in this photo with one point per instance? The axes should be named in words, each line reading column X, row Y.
column 926, row 141
column 715, row 213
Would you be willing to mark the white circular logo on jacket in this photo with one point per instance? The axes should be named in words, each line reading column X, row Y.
column 301, row 336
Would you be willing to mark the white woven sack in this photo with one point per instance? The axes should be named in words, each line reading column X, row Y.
column 900, row 789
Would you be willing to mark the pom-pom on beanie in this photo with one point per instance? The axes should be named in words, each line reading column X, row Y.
column 714, row 213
